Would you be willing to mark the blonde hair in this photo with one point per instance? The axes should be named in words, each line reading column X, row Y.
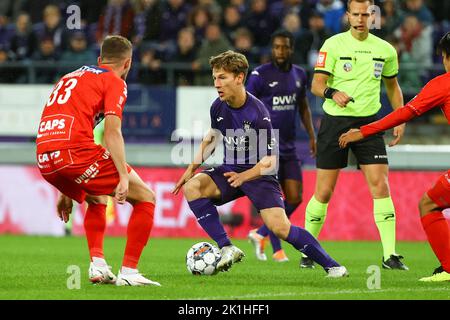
column 230, row 61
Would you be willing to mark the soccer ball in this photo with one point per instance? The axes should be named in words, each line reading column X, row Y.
column 202, row 259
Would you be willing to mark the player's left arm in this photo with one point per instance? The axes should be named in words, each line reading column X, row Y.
column 395, row 96
column 306, row 118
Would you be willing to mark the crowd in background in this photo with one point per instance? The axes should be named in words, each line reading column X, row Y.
column 191, row 31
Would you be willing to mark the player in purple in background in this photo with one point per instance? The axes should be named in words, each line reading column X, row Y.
column 281, row 85
column 249, row 166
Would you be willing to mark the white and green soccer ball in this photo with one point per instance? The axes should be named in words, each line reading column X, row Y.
column 202, row 259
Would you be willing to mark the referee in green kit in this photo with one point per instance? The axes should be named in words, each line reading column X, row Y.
column 348, row 72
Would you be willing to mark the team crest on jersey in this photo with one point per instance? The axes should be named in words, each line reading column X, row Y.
column 378, row 69
column 348, row 67
column 246, row 125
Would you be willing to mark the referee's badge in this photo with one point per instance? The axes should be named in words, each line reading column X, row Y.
column 348, row 67
column 378, row 69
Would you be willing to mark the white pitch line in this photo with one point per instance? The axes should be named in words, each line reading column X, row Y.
column 290, row 294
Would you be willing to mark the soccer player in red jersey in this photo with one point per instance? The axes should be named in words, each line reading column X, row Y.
column 435, row 94
column 81, row 170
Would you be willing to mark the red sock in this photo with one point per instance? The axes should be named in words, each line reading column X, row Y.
column 138, row 232
column 94, row 226
column 436, row 228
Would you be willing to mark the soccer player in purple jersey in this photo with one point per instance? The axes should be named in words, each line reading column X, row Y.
column 281, row 85
column 250, row 159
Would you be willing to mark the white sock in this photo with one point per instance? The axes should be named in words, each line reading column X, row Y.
column 99, row 262
column 126, row 270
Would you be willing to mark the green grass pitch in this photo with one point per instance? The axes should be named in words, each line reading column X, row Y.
column 36, row 268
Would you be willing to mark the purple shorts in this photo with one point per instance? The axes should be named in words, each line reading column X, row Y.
column 289, row 168
column 264, row 192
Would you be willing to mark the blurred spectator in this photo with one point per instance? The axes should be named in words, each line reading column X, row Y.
column 279, row 9
column 213, row 8
column 260, row 22
column 6, row 32
column 185, row 53
column 391, row 18
column 408, row 77
column 213, row 44
column 232, row 20
column 440, row 10
column 78, row 53
column 292, row 23
column 174, row 18
column 11, row 8
column 147, row 21
column 52, row 26
column 23, row 41
column 243, row 43
column 307, row 46
column 240, row 4
column 150, row 71
column 35, row 8
column 418, row 9
column 117, row 18
column 416, row 43
column 199, row 18
column 333, row 11
column 46, row 53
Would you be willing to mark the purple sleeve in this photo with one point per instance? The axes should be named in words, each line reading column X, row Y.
column 213, row 113
column 254, row 83
column 265, row 124
column 303, row 86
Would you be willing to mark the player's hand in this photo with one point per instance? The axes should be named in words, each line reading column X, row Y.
column 341, row 98
column 235, row 179
column 187, row 175
column 312, row 147
column 122, row 190
column 351, row 135
column 398, row 133
column 64, row 207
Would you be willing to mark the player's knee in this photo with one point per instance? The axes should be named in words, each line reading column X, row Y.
column 97, row 200
column 281, row 229
column 323, row 195
column 191, row 189
column 380, row 188
column 426, row 205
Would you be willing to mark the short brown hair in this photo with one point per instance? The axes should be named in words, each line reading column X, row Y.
column 230, row 61
column 372, row 2
column 115, row 48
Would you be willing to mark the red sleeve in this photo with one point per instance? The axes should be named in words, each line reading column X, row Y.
column 115, row 96
column 393, row 119
column 432, row 95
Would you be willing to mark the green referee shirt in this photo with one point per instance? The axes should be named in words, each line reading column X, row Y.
column 356, row 67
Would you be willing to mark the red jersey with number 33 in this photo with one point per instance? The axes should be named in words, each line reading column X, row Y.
column 79, row 101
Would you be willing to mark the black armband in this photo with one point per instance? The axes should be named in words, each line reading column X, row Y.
column 329, row 92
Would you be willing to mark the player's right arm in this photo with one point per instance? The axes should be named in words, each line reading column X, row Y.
column 206, row 149
column 115, row 144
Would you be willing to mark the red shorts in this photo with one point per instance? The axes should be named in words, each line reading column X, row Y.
column 440, row 193
column 78, row 172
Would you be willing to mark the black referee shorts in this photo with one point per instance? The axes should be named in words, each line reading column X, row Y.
column 371, row 150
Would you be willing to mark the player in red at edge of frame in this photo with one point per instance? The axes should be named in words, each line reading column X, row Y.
column 82, row 171
column 435, row 94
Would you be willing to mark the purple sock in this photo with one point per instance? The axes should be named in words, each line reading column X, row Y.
column 264, row 231
column 208, row 218
column 303, row 241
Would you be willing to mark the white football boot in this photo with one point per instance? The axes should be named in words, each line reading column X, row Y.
column 258, row 243
column 229, row 255
column 134, row 279
column 101, row 274
column 337, row 272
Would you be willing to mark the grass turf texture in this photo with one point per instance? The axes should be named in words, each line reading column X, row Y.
column 36, row 268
